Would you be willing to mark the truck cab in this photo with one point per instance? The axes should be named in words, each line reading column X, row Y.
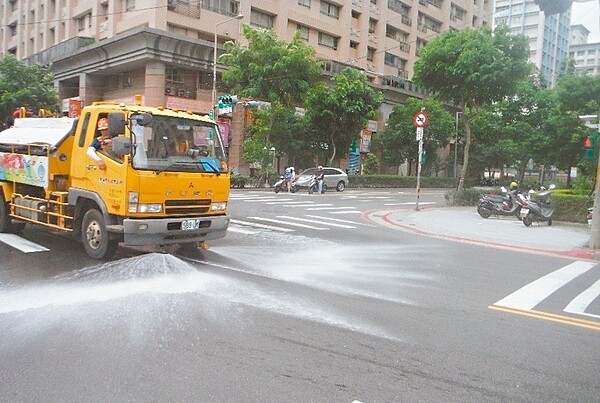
column 160, row 177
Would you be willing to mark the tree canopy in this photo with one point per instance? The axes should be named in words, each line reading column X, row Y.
column 336, row 114
column 270, row 69
column 398, row 142
column 29, row 86
column 472, row 68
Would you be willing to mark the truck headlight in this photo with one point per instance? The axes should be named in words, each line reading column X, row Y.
column 220, row 206
column 149, row 208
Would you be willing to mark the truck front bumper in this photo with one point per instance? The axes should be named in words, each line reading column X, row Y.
column 167, row 231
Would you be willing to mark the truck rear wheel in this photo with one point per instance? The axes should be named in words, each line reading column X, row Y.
column 95, row 236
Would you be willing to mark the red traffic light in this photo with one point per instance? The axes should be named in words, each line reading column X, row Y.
column 587, row 143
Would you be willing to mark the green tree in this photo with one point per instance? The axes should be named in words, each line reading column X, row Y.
column 270, row 69
column 336, row 114
column 579, row 93
column 371, row 166
column 398, row 142
column 29, row 86
column 472, row 68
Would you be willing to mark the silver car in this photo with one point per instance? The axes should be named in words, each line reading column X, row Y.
column 334, row 178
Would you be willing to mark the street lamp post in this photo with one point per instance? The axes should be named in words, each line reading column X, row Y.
column 215, row 106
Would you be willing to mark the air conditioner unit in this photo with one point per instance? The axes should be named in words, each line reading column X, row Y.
column 171, row 5
column 181, row 92
column 170, row 90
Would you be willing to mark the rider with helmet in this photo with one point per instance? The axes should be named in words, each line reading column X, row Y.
column 320, row 177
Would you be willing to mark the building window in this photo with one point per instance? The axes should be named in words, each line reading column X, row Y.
column 13, row 5
column 261, row 19
column 330, row 10
column 229, row 7
column 127, row 79
column 304, row 32
column 129, row 5
column 13, row 28
column 370, row 54
column 355, row 14
column 372, row 25
column 328, row 40
column 173, row 76
column 399, row 7
column 354, row 45
column 305, row 3
column 81, row 23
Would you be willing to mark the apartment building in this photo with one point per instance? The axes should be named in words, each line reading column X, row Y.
column 586, row 55
column 548, row 35
column 163, row 49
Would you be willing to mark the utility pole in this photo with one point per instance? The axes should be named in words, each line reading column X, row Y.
column 594, row 242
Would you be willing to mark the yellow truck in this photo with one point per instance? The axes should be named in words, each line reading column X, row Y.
column 162, row 179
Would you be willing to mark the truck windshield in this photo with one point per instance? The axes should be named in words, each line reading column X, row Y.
column 177, row 144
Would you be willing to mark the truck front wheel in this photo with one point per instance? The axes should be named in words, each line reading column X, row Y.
column 95, row 236
column 4, row 217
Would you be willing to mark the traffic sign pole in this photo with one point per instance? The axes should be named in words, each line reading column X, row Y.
column 419, row 167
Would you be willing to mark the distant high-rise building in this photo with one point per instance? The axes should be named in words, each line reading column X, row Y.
column 548, row 35
column 585, row 55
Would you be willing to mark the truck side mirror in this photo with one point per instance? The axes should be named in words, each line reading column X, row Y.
column 121, row 145
column 116, row 123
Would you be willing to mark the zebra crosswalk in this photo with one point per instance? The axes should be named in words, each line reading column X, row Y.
column 312, row 205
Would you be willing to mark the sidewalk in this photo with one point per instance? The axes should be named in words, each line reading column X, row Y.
column 465, row 225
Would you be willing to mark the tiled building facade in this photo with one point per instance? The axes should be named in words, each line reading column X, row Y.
column 163, row 49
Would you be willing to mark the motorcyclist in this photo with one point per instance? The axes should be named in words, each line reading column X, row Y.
column 290, row 179
column 320, row 177
column 287, row 177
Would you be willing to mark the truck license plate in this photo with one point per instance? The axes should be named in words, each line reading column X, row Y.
column 524, row 212
column 189, row 225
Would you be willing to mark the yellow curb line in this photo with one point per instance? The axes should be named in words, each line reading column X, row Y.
column 551, row 317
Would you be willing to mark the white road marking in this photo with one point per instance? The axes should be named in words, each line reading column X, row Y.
column 533, row 293
column 333, row 219
column 284, row 201
column 262, row 200
column 315, row 221
column 315, row 205
column 288, row 223
column 346, row 212
column 583, row 300
column 330, row 208
column 21, row 244
column 257, row 225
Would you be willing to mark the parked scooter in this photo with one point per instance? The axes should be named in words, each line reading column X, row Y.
column 590, row 215
column 540, row 209
column 506, row 204
column 313, row 186
column 281, row 186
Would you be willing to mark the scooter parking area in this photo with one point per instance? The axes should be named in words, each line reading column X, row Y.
column 463, row 224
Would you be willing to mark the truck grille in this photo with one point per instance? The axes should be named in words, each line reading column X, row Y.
column 187, row 207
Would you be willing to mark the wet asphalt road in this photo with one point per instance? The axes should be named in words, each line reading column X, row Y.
column 308, row 298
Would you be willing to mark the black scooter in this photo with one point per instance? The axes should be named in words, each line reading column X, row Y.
column 540, row 209
column 506, row 204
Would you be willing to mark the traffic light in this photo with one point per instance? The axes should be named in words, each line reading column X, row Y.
column 226, row 103
column 589, row 145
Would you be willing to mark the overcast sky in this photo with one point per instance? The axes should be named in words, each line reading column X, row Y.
column 588, row 15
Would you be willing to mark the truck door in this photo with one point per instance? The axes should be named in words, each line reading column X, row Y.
column 108, row 183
